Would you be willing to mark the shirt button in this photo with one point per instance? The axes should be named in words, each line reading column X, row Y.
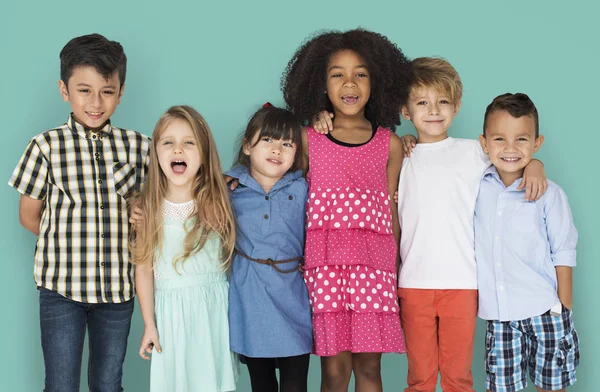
column 99, row 181
column 102, row 235
column 93, row 136
column 266, row 197
column 499, row 213
column 98, row 159
column 97, row 154
column 102, row 263
column 266, row 216
column 498, row 264
column 291, row 197
column 501, row 288
column 101, row 206
column 497, row 238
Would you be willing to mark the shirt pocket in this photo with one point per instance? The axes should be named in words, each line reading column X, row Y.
column 125, row 178
column 291, row 207
column 523, row 229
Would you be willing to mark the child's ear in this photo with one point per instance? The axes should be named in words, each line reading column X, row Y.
column 483, row 144
column 245, row 147
column 405, row 113
column 538, row 143
column 63, row 90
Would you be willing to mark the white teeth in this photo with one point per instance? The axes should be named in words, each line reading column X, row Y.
column 511, row 159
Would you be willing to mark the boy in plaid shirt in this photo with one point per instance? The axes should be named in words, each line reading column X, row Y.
column 75, row 181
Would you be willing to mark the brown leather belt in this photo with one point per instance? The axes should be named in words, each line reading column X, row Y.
column 274, row 263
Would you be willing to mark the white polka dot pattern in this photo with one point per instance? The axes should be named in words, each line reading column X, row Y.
column 349, row 208
column 356, row 287
column 350, row 250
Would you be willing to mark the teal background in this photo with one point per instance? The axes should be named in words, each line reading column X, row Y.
column 225, row 58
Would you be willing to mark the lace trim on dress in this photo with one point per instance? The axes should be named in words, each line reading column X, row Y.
column 178, row 211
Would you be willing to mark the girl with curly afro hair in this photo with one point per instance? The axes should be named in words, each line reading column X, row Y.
column 352, row 231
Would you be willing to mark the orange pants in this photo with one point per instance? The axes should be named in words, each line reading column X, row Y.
column 439, row 328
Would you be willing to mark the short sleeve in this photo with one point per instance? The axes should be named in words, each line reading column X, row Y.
column 562, row 233
column 30, row 177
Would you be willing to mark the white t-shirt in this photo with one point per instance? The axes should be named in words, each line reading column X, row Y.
column 437, row 191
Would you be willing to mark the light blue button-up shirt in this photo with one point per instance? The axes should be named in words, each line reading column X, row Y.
column 518, row 244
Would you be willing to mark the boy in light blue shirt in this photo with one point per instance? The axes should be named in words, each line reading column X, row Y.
column 525, row 252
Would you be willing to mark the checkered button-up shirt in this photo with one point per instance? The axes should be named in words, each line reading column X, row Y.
column 84, row 179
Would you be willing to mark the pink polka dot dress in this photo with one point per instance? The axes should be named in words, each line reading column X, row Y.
column 350, row 255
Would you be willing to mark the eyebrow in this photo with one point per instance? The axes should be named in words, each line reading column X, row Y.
column 447, row 97
column 87, row 85
column 340, row 67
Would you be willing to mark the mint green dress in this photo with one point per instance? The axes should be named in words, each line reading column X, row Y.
column 190, row 306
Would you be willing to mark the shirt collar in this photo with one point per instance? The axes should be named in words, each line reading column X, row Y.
column 242, row 173
column 87, row 133
column 492, row 174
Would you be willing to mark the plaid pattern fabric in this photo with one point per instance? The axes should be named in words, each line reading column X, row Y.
column 546, row 347
column 84, row 179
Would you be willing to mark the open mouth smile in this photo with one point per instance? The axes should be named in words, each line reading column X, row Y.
column 350, row 99
column 511, row 160
column 95, row 115
column 178, row 166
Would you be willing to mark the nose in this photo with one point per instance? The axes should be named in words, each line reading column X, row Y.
column 177, row 148
column 276, row 149
column 509, row 145
column 434, row 109
column 349, row 82
column 96, row 100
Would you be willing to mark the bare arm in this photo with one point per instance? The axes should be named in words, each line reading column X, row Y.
column 144, row 283
column 393, row 174
column 564, row 276
column 30, row 213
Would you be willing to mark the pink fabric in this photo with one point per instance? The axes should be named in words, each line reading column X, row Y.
column 350, row 254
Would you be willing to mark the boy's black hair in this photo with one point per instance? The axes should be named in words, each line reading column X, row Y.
column 517, row 105
column 304, row 80
column 275, row 123
column 93, row 50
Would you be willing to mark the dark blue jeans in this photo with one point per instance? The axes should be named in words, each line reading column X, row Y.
column 63, row 323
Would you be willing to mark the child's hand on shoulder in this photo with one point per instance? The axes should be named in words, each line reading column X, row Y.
column 136, row 216
column 408, row 143
column 149, row 341
column 232, row 183
column 323, row 123
column 534, row 181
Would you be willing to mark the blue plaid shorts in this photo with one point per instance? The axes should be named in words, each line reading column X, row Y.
column 546, row 347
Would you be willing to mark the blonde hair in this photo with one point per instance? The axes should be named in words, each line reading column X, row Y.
column 437, row 73
column 212, row 213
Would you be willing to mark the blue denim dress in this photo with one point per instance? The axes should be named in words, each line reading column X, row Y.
column 269, row 312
